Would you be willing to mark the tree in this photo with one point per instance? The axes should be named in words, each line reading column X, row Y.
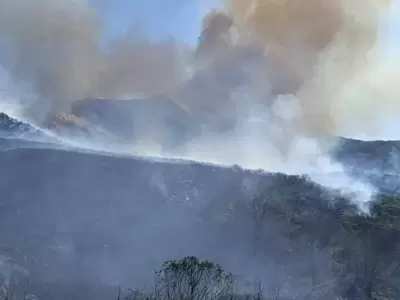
column 15, row 288
column 192, row 279
column 371, row 257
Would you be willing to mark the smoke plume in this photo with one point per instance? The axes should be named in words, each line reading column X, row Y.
column 51, row 46
column 56, row 47
column 310, row 49
column 320, row 45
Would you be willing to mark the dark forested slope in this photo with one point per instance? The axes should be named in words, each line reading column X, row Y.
column 75, row 215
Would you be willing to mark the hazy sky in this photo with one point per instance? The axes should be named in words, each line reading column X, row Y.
column 392, row 30
column 182, row 18
column 160, row 18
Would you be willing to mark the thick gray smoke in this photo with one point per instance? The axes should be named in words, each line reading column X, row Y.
column 55, row 47
column 52, row 46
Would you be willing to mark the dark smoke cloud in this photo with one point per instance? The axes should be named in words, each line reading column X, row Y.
column 299, row 58
column 215, row 36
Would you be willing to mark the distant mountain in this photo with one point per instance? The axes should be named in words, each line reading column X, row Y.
column 374, row 161
column 370, row 156
column 164, row 122
column 13, row 127
column 157, row 118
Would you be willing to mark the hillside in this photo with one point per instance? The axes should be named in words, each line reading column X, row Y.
column 70, row 215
